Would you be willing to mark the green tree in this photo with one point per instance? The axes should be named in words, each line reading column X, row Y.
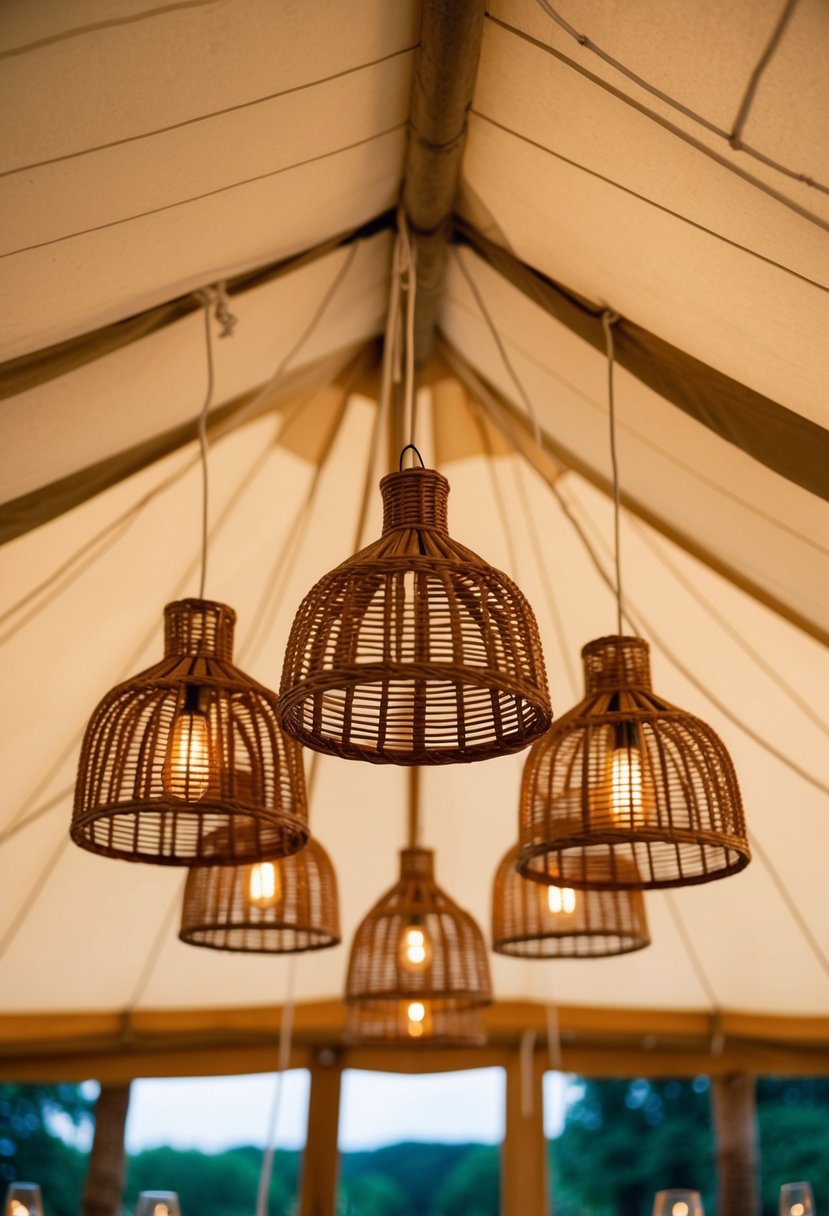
column 33, row 1122
column 222, row 1182
column 473, row 1186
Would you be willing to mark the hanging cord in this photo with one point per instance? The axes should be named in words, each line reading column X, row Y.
column 286, row 1027
column 609, row 319
column 413, row 809
column 717, row 1040
column 502, row 350
column 406, row 251
column 214, row 300
column 735, row 138
column 786, row 895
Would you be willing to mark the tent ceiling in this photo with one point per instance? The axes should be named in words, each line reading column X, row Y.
column 151, row 153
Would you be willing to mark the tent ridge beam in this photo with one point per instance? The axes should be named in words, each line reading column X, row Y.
column 446, row 66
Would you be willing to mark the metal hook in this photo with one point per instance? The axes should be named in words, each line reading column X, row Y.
column 417, row 453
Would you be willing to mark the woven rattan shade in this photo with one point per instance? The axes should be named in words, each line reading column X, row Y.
column 455, row 976
column 139, row 798
column 221, row 909
column 415, row 651
column 447, row 1024
column 600, row 922
column 625, row 779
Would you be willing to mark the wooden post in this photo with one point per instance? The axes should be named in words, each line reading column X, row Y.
column 524, row 1184
column 320, row 1161
column 104, row 1183
column 735, row 1129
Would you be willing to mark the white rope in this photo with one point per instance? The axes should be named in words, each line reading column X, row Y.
column 286, row 1026
column 213, row 298
column 609, row 319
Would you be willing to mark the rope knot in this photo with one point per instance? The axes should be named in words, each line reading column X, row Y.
column 216, row 297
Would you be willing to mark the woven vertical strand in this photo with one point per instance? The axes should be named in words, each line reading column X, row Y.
column 188, row 749
column 282, row 906
column 631, row 784
column 593, row 923
column 416, row 947
column 415, row 650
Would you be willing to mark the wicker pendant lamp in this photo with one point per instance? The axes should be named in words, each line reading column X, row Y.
column 418, row 963
column 185, row 764
column 534, row 921
column 626, row 782
column 190, row 751
column 415, row 651
column 284, row 906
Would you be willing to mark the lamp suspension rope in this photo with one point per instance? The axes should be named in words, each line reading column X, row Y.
column 627, row 791
column 414, row 650
column 185, row 763
column 609, row 319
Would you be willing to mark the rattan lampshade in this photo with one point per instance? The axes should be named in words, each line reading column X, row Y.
column 285, row 906
column 415, row 651
column 445, row 1024
column 417, row 961
column 531, row 920
column 190, row 748
column 624, row 778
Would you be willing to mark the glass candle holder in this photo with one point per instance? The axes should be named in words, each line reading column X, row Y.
column 157, row 1203
column 23, row 1199
column 678, row 1202
column 796, row 1199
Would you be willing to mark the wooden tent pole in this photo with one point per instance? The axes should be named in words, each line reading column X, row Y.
column 320, row 1161
column 735, row 1130
column 524, row 1186
column 446, row 64
column 105, row 1176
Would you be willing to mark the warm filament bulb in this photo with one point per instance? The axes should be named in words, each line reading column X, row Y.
column 680, row 1209
column 626, row 786
column 561, row 899
column 161, row 1209
column 265, row 885
column 797, row 1209
column 415, row 948
column 416, row 1014
column 20, row 1209
column 187, row 767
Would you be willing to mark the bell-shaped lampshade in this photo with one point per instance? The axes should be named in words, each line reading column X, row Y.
column 283, row 906
column 531, row 920
column 417, row 961
column 415, row 651
column 189, row 748
column 436, row 1023
column 625, row 777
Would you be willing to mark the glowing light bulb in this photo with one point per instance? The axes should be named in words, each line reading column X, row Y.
column 797, row 1209
column 186, row 772
column 416, row 1015
column 161, row 1209
column 414, row 950
column 561, row 899
column 264, row 884
column 680, row 1209
column 626, row 784
column 19, row 1209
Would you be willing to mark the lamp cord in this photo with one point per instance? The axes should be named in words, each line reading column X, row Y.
column 609, row 319
column 286, row 1027
column 214, row 299
column 413, row 810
